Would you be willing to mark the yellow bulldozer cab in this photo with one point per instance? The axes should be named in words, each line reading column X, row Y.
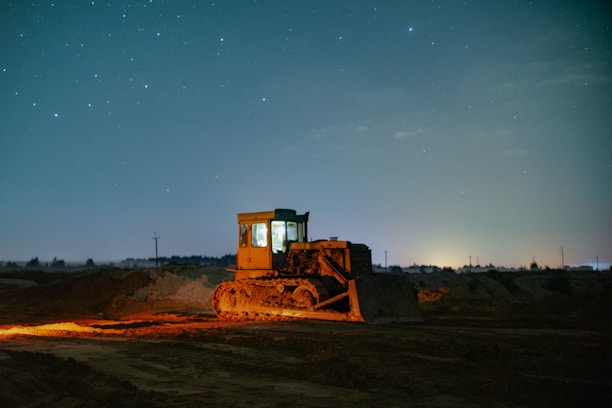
column 264, row 238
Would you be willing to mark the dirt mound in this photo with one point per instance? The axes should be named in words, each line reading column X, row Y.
column 107, row 293
column 544, row 292
column 182, row 289
column 165, row 292
column 83, row 294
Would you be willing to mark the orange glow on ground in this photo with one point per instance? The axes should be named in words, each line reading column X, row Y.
column 139, row 325
column 52, row 330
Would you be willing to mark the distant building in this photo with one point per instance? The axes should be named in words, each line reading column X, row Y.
column 579, row 268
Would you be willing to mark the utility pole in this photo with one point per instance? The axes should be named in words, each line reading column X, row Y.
column 155, row 237
column 385, row 260
column 562, row 260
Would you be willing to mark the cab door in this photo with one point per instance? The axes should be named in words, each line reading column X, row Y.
column 279, row 243
column 254, row 246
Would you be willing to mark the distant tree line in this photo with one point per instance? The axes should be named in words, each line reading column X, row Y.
column 57, row 263
column 228, row 259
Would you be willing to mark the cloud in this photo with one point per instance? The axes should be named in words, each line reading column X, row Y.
column 585, row 74
column 323, row 132
column 403, row 134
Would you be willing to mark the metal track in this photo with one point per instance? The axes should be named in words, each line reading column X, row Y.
column 275, row 299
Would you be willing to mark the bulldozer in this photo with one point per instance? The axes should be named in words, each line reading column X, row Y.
column 279, row 275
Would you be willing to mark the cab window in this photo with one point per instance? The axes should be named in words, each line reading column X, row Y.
column 292, row 231
column 243, row 235
column 259, row 235
column 279, row 237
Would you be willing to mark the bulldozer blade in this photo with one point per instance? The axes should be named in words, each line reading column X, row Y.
column 382, row 298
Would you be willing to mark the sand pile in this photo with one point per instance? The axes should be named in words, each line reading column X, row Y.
column 109, row 293
column 529, row 294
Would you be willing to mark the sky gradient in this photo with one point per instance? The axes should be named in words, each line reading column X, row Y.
column 433, row 130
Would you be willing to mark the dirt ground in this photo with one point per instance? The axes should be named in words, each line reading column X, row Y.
column 148, row 338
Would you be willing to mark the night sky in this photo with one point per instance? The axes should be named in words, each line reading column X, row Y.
column 433, row 130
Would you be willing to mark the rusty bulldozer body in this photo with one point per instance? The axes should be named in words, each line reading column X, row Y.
column 279, row 275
